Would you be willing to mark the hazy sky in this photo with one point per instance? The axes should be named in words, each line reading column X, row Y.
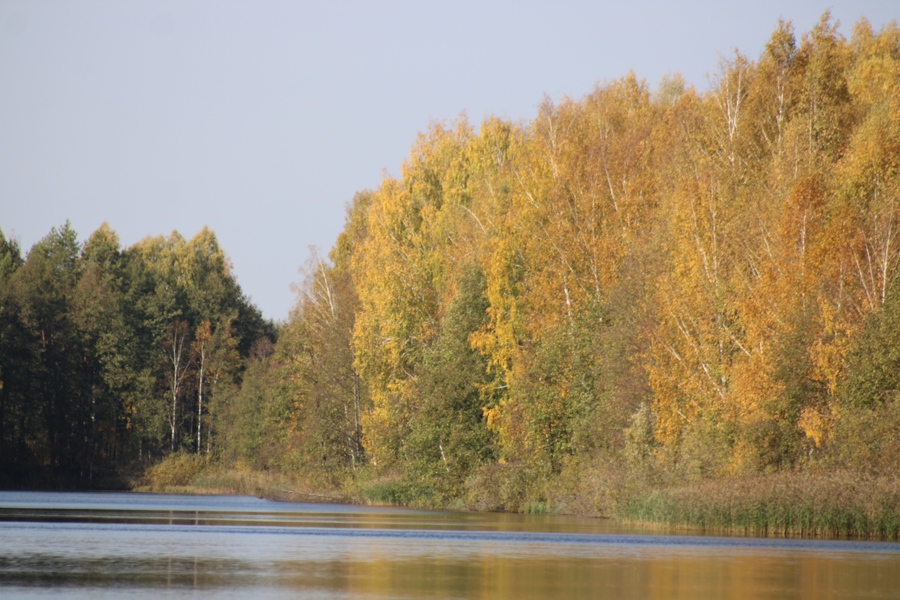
column 262, row 119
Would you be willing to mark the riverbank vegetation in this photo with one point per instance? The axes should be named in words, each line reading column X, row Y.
column 831, row 504
column 669, row 305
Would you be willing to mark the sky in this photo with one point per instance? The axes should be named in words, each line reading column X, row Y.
column 261, row 119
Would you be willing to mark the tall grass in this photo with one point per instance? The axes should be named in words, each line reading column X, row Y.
column 398, row 493
column 838, row 505
column 192, row 474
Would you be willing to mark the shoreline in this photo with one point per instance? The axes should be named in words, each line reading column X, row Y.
column 796, row 504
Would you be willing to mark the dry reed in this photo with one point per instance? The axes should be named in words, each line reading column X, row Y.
column 837, row 505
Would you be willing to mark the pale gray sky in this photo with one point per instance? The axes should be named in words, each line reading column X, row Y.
column 261, row 119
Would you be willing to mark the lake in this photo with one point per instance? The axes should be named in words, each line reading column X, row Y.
column 125, row 545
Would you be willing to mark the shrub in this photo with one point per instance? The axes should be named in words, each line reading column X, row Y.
column 175, row 470
column 504, row 487
column 868, row 439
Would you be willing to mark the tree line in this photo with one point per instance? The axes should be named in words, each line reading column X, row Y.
column 111, row 358
column 635, row 287
column 668, row 285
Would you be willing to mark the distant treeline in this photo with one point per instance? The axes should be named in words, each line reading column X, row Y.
column 633, row 290
column 112, row 358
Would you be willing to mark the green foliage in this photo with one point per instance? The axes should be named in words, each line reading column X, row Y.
column 447, row 437
column 397, row 493
column 867, row 439
column 246, row 429
column 536, row 508
column 641, row 444
column 87, row 383
column 865, row 434
column 873, row 373
column 323, row 396
column 505, row 487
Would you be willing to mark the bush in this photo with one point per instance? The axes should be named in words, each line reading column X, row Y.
column 868, row 439
column 592, row 486
column 504, row 487
column 175, row 470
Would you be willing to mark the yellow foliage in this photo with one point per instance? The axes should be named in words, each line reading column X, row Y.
column 815, row 425
column 755, row 225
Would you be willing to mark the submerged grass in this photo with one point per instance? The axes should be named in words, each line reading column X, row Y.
column 538, row 508
column 836, row 505
column 398, row 493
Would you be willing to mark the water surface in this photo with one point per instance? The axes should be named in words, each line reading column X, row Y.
column 121, row 545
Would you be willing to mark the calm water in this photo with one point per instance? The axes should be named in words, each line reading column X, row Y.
column 94, row 545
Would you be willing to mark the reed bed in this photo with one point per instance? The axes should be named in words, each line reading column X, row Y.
column 835, row 505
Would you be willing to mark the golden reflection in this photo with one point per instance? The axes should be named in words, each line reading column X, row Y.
column 651, row 573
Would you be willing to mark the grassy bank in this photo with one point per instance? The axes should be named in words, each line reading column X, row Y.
column 834, row 505
column 839, row 504
column 191, row 474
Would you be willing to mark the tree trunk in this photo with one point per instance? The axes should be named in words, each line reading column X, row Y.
column 200, row 401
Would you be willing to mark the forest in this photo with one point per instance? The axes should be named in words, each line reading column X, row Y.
column 112, row 359
column 639, row 290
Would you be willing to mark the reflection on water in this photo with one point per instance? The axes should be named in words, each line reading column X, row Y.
column 150, row 546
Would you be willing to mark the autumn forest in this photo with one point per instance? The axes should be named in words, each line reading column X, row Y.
column 642, row 289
